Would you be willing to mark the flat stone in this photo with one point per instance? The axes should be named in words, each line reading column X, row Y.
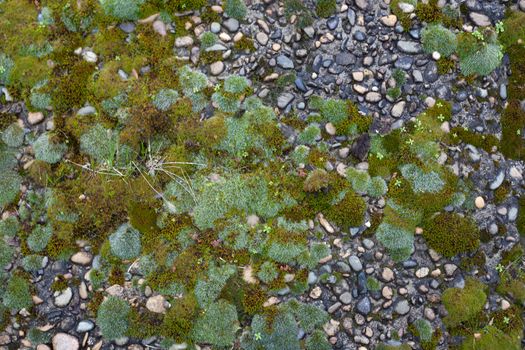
column 183, row 41
column 284, row 100
column 515, row 173
column 85, row 326
column 398, row 109
column 88, row 110
column 160, row 28
column 358, row 76
column 346, row 298
column 406, row 7
column 364, row 306
column 479, row 202
column 215, row 27
column 355, row 263
column 284, row 62
column 373, row 97
column 389, row 21
column 498, row 181
column 262, row 38
column 410, row 47
column 35, row 117
column 64, row 341
column 422, row 272
column 402, row 307
column 231, row 24
column 480, row 19
column 156, row 304
column 216, row 68
column 81, row 258
column 387, row 274
column 64, row 297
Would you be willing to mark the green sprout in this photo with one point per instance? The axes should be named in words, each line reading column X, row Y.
column 500, row 268
column 478, row 35
column 257, row 336
column 500, row 27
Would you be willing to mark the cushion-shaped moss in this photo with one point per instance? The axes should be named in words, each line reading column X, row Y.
column 113, row 317
column 463, row 304
column 450, row 234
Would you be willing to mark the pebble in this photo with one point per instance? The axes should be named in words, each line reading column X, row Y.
column 64, row 297
column 373, row 97
column 479, row 202
column 35, row 117
column 231, row 24
column 262, row 38
column 422, row 272
column 183, row 41
column 81, row 258
column 64, row 341
column 402, row 307
column 160, row 28
column 285, row 99
column 389, row 21
column 387, row 274
column 85, row 326
column 346, row 298
column 364, row 306
column 285, row 62
column 156, row 304
column 215, row 27
column 355, row 263
column 398, row 109
column 480, row 19
column 216, row 68
column 504, row 304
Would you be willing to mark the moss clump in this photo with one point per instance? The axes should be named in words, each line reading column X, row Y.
column 463, row 304
column 429, row 12
column 316, row 180
column 217, row 326
column 445, row 65
column 485, row 142
column 235, row 9
column 513, row 124
column 435, row 37
column 178, row 322
column 17, row 294
column 122, row 9
column 113, row 317
column 479, row 53
column 348, row 212
column 325, row 8
column 125, row 242
column 450, row 234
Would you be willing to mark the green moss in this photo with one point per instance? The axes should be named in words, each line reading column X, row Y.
column 450, row 234
column 516, row 88
column 514, row 28
column 435, row 37
column 325, row 8
column 59, row 284
column 236, row 9
column 429, row 12
column 217, row 326
column 463, row 304
column 484, row 141
column 445, row 66
column 17, row 294
column 245, row 44
column 113, row 317
column 491, row 338
column 513, row 124
column 348, row 212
